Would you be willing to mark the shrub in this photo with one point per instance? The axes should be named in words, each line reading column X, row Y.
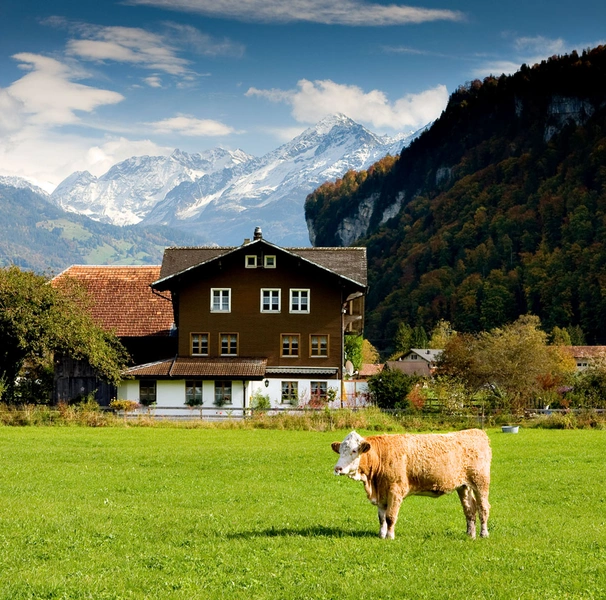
column 260, row 400
column 123, row 405
column 391, row 387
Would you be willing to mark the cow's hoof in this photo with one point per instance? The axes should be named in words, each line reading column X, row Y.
column 484, row 534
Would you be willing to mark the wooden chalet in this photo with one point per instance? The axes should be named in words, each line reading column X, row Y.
column 253, row 318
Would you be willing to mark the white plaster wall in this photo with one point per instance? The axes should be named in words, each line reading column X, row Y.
column 128, row 390
column 170, row 393
column 274, row 389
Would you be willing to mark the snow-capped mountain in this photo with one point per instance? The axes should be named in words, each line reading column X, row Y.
column 20, row 183
column 130, row 189
column 224, row 195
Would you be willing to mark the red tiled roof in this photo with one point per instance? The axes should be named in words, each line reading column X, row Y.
column 586, row 351
column 121, row 299
column 250, row 368
column 368, row 370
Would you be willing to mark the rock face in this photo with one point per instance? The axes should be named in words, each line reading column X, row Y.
column 562, row 110
column 558, row 112
column 220, row 194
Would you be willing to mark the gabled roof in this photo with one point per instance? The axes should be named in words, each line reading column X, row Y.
column 121, row 298
column 428, row 354
column 348, row 263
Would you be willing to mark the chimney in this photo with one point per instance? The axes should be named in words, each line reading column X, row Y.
column 246, row 241
column 258, row 235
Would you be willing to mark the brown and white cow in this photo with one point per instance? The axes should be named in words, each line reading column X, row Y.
column 392, row 467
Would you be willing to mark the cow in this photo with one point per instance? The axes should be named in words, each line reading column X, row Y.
column 392, row 467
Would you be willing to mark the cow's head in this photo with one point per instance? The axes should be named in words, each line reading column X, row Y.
column 349, row 451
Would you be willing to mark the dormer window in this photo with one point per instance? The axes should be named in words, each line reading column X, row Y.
column 269, row 262
column 250, row 261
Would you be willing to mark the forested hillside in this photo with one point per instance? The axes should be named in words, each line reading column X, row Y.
column 500, row 208
column 37, row 235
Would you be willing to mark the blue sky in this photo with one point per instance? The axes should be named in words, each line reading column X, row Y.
column 86, row 84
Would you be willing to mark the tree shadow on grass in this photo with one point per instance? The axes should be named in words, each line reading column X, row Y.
column 310, row 532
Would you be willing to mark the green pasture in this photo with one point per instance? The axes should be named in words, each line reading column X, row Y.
column 207, row 513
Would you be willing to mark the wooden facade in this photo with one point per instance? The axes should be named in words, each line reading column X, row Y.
column 259, row 333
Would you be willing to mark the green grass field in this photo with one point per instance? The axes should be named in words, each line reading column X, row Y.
column 203, row 513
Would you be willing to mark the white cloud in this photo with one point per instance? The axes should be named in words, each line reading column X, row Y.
column 48, row 95
column 343, row 12
column 100, row 158
column 285, row 134
column 130, row 45
column 46, row 158
column 313, row 100
column 153, row 81
column 190, row 126
column 204, row 44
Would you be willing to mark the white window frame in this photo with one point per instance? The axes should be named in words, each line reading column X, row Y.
column 298, row 291
column 253, row 264
column 212, row 300
column 271, row 291
column 266, row 261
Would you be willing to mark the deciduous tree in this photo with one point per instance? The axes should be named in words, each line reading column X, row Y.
column 37, row 319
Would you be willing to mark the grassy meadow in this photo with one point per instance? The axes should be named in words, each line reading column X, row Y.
column 209, row 513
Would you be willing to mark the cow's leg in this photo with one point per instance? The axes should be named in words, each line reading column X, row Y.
column 468, row 501
column 483, row 509
column 382, row 523
column 391, row 514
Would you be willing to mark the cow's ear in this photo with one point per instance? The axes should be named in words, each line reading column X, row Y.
column 363, row 447
column 336, row 446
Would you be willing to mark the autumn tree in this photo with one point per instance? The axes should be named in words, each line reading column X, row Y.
column 515, row 359
column 37, row 319
column 441, row 334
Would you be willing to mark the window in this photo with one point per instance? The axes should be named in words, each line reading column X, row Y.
column 290, row 392
column 250, row 261
column 299, row 301
column 193, row 393
column 222, row 393
column 319, row 391
column 229, row 344
column 270, row 300
column 220, row 300
column 147, row 392
column 269, row 262
column 199, row 344
column 290, row 344
column 318, row 345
